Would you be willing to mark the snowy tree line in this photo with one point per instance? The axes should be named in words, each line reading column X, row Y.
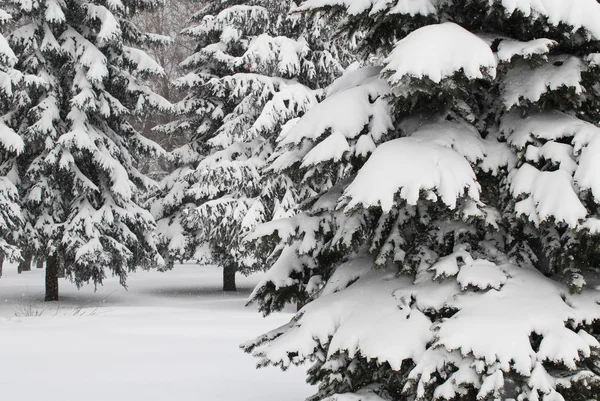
column 420, row 177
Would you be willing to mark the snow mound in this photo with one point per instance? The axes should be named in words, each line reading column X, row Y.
column 437, row 52
column 509, row 48
column 10, row 140
column 352, row 78
column 549, row 194
column 576, row 13
column 487, row 154
column 361, row 105
column 408, row 166
column 548, row 126
column 527, row 303
column 367, row 319
column 524, row 82
column 357, row 329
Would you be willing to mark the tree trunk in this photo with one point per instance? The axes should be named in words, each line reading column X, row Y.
column 25, row 264
column 39, row 263
column 52, row 268
column 229, row 278
column 1, row 263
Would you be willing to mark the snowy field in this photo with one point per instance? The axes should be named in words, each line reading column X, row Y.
column 171, row 336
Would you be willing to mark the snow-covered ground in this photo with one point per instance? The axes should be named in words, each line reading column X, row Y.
column 170, row 336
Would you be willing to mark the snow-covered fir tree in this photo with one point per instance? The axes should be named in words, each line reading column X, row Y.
column 78, row 178
column 11, row 145
column 452, row 250
column 256, row 67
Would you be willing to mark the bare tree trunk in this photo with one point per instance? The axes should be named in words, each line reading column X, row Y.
column 25, row 264
column 52, row 268
column 229, row 277
column 1, row 263
column 39, row 262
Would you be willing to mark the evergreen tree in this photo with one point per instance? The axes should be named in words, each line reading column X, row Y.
column 11, row 145
column 78, row 176
column 451, row 251
column 255, row 68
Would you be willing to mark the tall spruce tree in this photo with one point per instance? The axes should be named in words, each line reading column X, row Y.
column 11, row 145
column 78, row 177
column 256, row 67
column 452, row 250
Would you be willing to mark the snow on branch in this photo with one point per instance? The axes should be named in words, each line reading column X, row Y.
column 439, row 51
column 407, row 167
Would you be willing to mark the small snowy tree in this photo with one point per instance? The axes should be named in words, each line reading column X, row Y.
column 451, row 250
column 255, row 68
column 11, row 145
column 78, row 175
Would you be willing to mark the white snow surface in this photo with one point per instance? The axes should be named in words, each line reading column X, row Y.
column 576, row 13
column 524, row 82
column 509, row 48
column 488, row 154
column 550, row 194
column 491, row 329
column 171, row 336
column 358, row 98
column 437, row 52
column 408, row 166
column 548, row 126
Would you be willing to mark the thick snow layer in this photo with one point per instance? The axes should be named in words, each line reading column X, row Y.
column 293, row 257
column 10, row 140
column 509, row 48
column 352, row 78
column 576, row 13
column 488, row 335
column 353, row 117
column 172, row 335
column 526, row 303
column 4, row 16
column 347, row 111
column 408, row 166
column 331, row 148
column 354, row 325
column 525, row 82
column 6, row 53
column 54, row 13
column 548, row 126
column 109, row 26
column 437, row 52
column 355, row 7
column 142, row 61
column 550, row 195
column 487, row 154
column 481, row 274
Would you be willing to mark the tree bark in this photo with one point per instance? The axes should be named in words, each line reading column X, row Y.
column 229, row 278
column 52, row 268
column 25, row 264
column 1, row 263
column 39, row 263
